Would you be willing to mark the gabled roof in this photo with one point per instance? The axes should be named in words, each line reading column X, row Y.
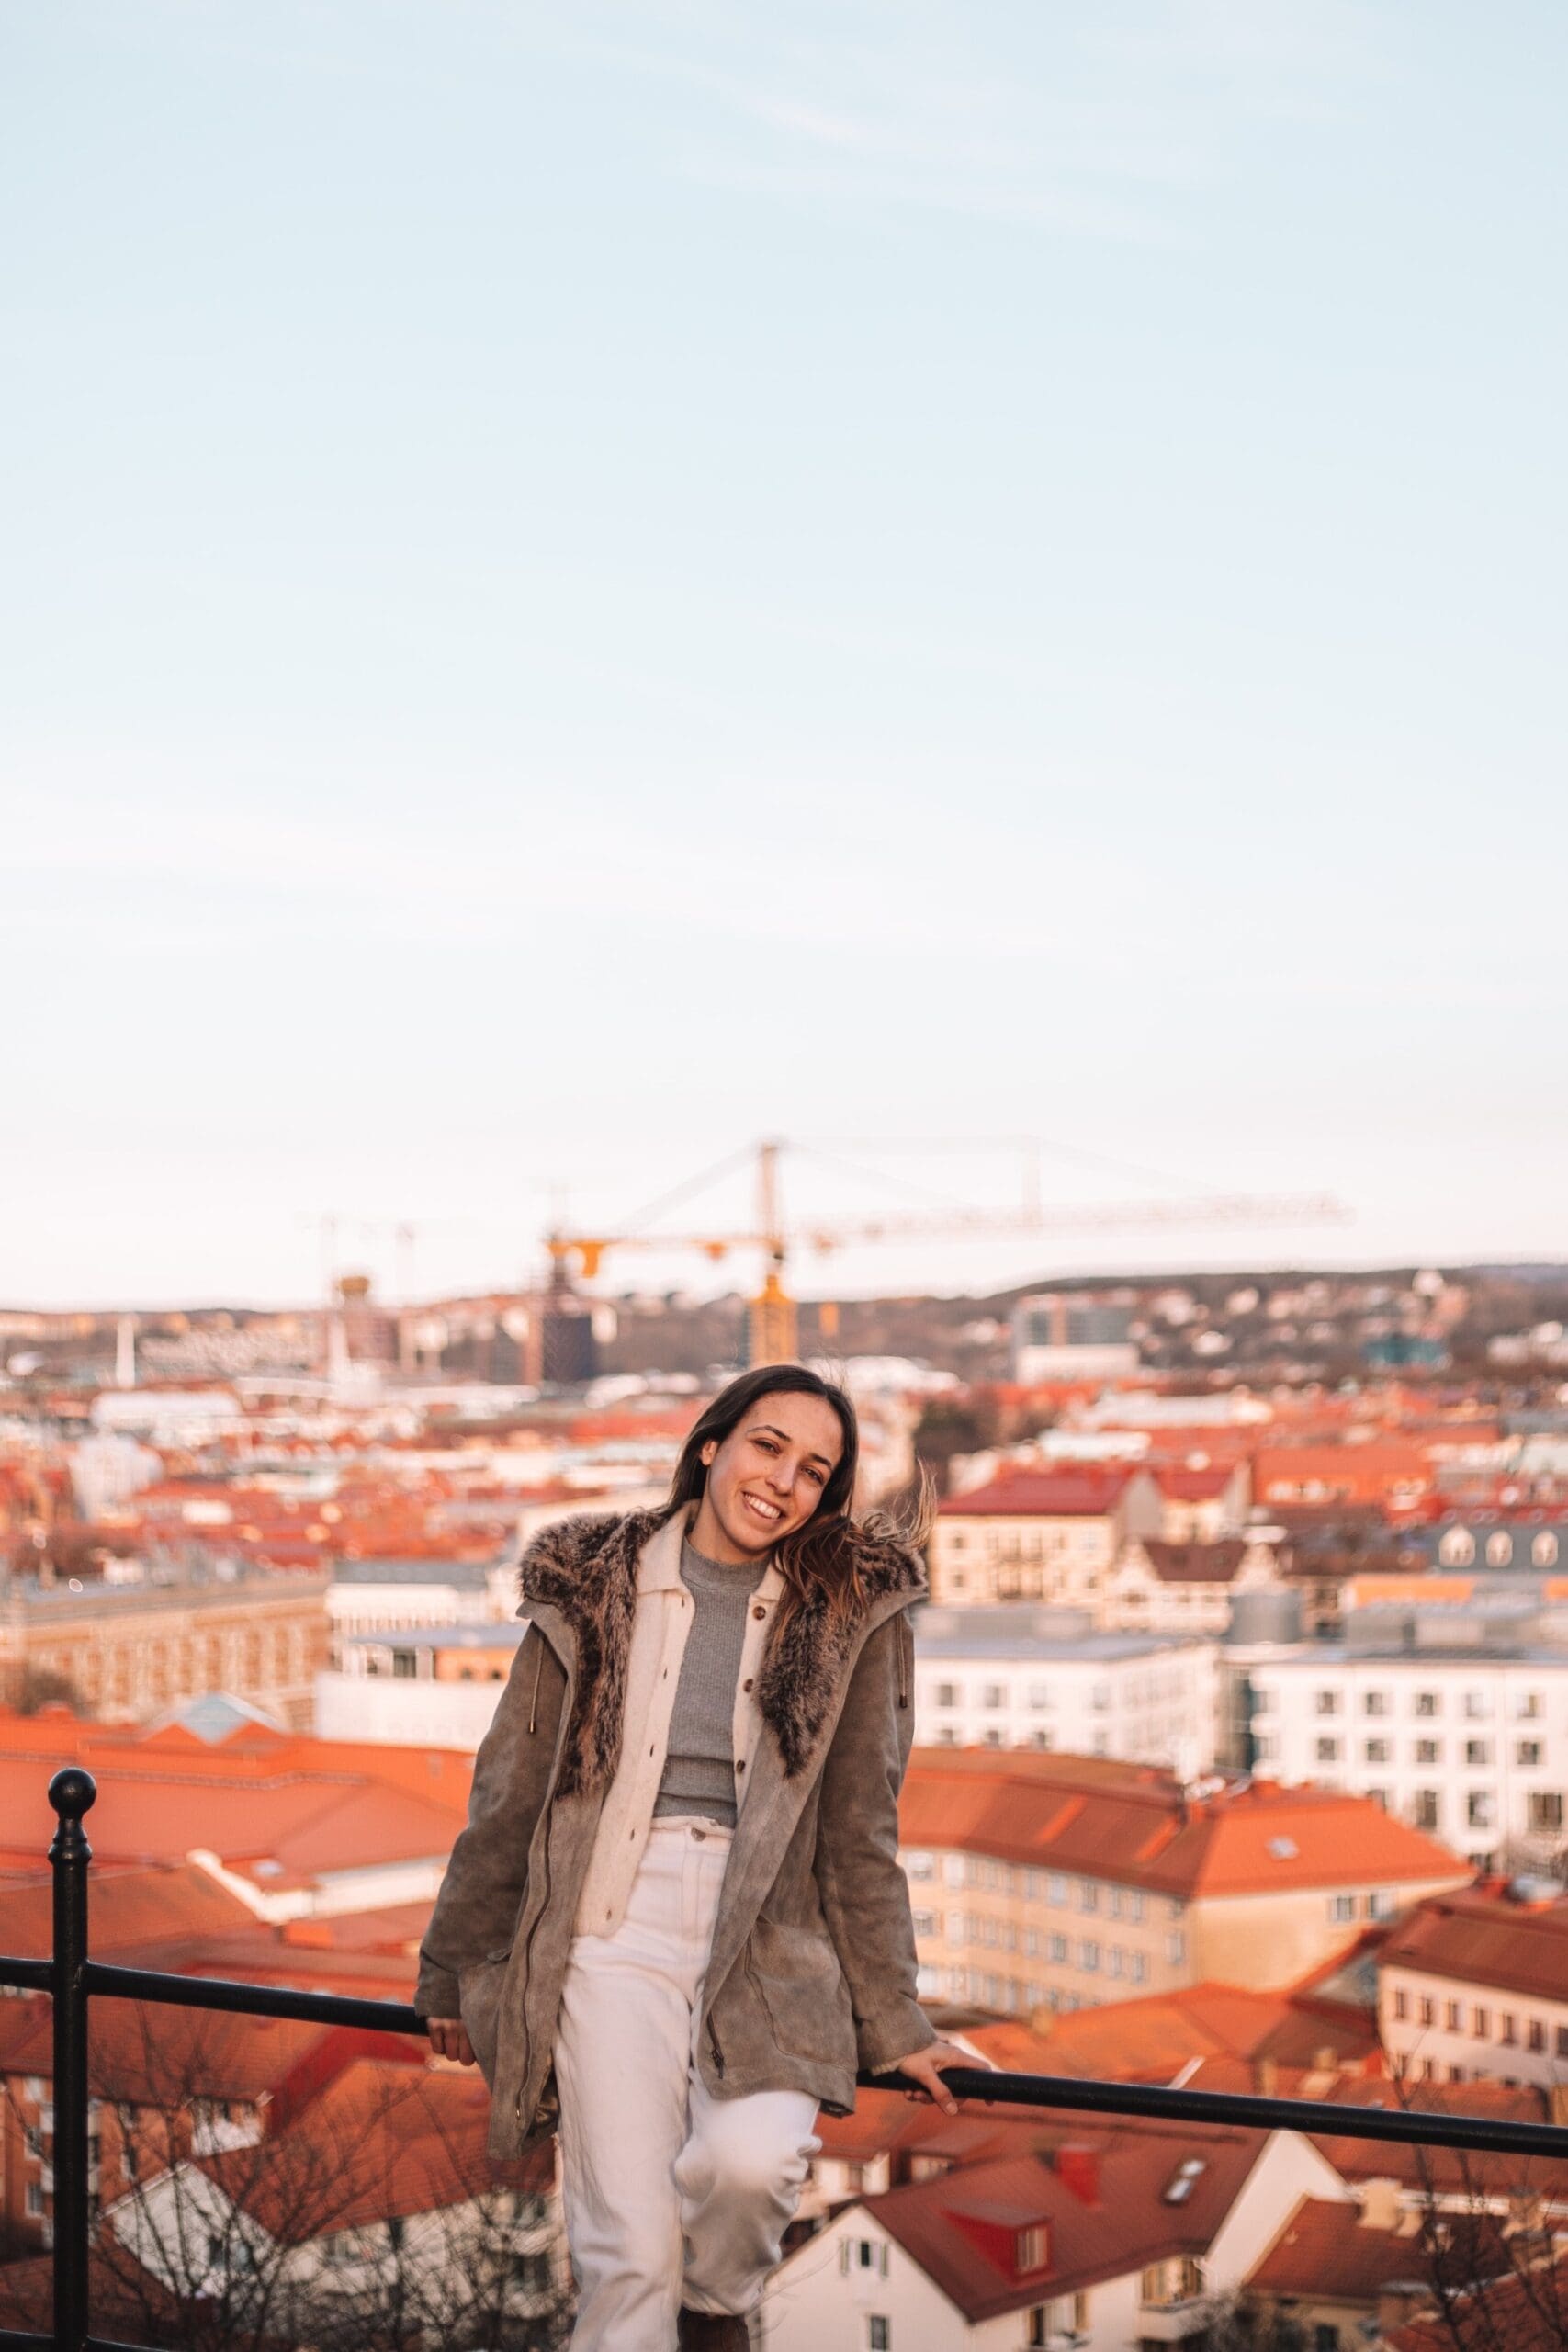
column 1194, row 1563
column 381, row 2142
column 1330, row 2252
column 1486, row 1937
column 1042, row 1493
column 1152, row 2039
column 1136, row 1825
column 1104, row 2213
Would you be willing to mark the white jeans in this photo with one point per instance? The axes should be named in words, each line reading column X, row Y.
column 672, row 2196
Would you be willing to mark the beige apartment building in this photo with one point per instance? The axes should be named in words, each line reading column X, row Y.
column 1057, row 1881
column 1474, row 1986
column 125, row 1653
column 1047, row 1535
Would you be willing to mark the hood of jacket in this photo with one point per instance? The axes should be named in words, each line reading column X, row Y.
column 586, row 1570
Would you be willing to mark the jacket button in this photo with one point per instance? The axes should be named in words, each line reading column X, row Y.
column 740, row 1767
column 746, row 1684
column 758, row 1610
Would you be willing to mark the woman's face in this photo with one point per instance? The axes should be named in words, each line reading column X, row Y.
column 766, row 1477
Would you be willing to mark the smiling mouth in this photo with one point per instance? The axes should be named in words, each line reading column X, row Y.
column 769, row 1513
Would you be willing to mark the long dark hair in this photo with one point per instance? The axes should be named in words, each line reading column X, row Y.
column 818, row 1557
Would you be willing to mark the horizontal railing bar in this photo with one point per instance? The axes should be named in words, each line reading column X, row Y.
column 252, row 2000
column 101, row 2343
column 1409, row 2127
column 28, row 1976
column 17, row 2339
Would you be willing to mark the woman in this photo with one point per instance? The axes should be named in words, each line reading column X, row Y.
column 675, row 1923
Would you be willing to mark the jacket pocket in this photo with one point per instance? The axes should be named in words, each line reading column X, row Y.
column 797, row 1978
column 479, row 1988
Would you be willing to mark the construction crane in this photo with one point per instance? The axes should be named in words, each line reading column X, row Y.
column 772, row 1319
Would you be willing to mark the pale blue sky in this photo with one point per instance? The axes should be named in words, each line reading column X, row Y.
column 582, row 584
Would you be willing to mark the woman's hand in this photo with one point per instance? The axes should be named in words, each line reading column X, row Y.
column 924, row 2066
column 449, row 2038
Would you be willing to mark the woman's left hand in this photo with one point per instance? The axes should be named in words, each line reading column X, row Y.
column 924, row 2066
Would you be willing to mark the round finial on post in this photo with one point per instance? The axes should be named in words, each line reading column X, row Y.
column 73, row 1792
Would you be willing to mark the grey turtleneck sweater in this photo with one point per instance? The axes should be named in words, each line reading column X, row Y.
column 699, row 1767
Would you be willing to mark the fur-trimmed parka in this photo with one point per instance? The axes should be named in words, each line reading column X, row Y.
column 811, row 1974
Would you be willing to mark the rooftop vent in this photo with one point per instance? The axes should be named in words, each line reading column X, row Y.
column 1284, row 1850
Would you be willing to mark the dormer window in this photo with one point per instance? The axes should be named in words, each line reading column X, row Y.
column 1184, row 2180
column 1028, row 2248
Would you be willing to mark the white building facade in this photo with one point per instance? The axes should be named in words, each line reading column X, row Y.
column 1470, row 1746
column 1012, row 1675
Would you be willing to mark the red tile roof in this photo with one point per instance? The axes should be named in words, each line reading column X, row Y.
column 1152, row 2039
column 381, row 2142
column 1135, row 1823
column 1481, row 1935
column 1328, row 2251
column 1041, row 1494
column 308, row 1806
column 1103, row 2212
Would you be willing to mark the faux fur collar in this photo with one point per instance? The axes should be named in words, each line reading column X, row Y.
column 586, row 1568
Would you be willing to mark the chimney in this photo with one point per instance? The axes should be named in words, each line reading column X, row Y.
column 1556, row 2104
column 1079, row 2168
column 1269, row 2077
column 1379, row 2205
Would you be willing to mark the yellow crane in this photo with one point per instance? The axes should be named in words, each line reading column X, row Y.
column 772, row 1321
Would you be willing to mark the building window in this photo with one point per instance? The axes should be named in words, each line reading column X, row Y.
column 1426, row 2010
column 1537, row 2036
column 1401, row 2004
column 947, row 1694
column 1428, row 1751
column 1328, row 1751
column 1427, row 1702
column 996, row 1694
column 1478, row 1751
column 1545, row 1812
column 878, row 2333
column 1176, row 1948
column 1028, row 2248
column 1480, row 2025
column 1059, row 1950
column 1478, row 1809
column 1453, row 2017
column 1374, row 1703
column 1477, row 1706
column 1341, row 1909
column 1327, row 1702
column 1138, row 1968
column 1324, row 2338
column 1089, row 1954
column 1425, row 1809
column 1376, row 1751
column 863, row 2255
column 1527, row 1751
column 1056, row 1891
column 1507, row 2026
column 1526, row 1707
column 1089, row 1895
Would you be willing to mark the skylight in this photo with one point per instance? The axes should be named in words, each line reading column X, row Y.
column 1184, row 2180
column 1284, row 1850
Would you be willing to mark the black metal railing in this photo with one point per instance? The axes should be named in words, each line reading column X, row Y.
column 75, row 1979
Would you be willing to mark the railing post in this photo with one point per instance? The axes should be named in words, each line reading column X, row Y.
column 71, row 1792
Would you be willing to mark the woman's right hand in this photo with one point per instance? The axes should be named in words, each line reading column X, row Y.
column 449, row 2038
